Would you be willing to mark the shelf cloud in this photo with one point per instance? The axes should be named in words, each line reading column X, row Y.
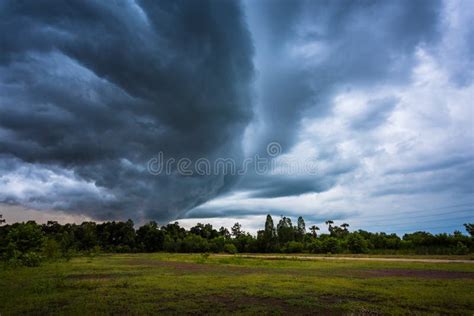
column 376, row 95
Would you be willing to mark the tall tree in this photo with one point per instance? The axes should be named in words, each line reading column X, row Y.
column 300, row 229
column 314, row 230
column 345, row 226
column 269, row 235
column 285, row 230
column 150, row 238
column 236, row 230
column 224, row 232
column 2, row 220
column 470, row 228
column 330, row 227
column 269, row 227
column 301, row 225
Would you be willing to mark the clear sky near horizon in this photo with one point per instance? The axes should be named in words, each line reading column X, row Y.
column 356, row 111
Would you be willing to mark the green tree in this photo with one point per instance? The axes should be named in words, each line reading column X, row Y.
column 230, row 248
column 470, row 228
column 217, row 244
column 24, row 243
column 150, row 238
column 195, row 243
column 86, row 235
column 285, row 230
column 237, row 230
column 269, row 227
column 224, row 232
column 356, row 243
column 293, row 247
column 51, row 248
column 314, row 230
column 315, row 246
column 329, row 223
column 205, row 231
column 268, row 238
column 331, row 245
column 26, row 237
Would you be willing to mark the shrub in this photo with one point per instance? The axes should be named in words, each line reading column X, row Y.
column 217, row 244
column 293, row 247
column 230, row 248
column 195, row 243
column 331, row 245
column 315, row 246
column 461, row 249
column 203, row 258
column 51, row 249
column 31, row 259
column 25, row 237
column 356, row 243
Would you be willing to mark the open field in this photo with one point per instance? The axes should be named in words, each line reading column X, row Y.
column 355, row 257
column 196, row 284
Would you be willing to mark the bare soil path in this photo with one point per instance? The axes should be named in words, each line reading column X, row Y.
column 290, row 257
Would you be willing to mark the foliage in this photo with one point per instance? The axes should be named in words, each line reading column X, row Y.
column 31, row 259
column 293, row 247
column 230, row 248
column 469, row 228
column 356, row 243
column 29, row 243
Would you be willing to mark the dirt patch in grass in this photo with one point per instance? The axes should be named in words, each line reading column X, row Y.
column 228, row 269
column 185, row 267
column 98, row 276
column 334, row 300
column 413, row 273
column 181, row 267
column 337, row 299
column 235, row 303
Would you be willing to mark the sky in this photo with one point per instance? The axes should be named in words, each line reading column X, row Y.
column 224, row 111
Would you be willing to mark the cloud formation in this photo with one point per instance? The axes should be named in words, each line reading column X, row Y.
column 377, row 95
column 91, row 90
column 374, row 94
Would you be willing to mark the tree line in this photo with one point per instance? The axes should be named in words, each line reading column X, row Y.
column 29, row 243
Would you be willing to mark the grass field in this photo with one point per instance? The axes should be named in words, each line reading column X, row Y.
column 196, row 284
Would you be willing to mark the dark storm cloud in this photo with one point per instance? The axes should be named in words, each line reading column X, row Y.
column 317, row 217
column 307, row 51
column 277, row 186
column 377, row 113
column 362, row 43
column 99, row 87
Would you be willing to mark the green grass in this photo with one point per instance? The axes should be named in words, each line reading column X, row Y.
column 194, row 284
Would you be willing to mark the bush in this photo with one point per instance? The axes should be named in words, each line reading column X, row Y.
column 315, row 246
column 331, row 245
column 203, row 258
column 461, row 249
column 171, row 245
column 31, row 259
column 122, row 249
column 24, row 243
column 51, row 249
column 356, row 243
column 195, row 243
column 293, row 247
column 25, row 237
column 230, row 248
column 217, row 244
